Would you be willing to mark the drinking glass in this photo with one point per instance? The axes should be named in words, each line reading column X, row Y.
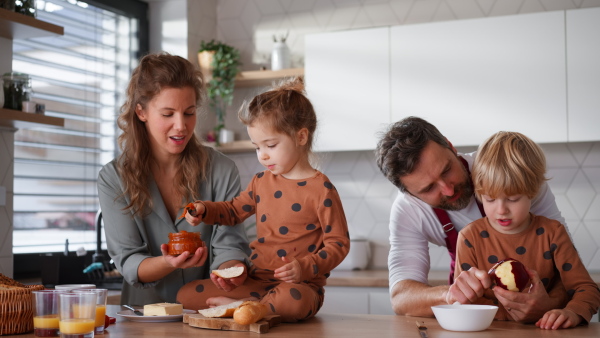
column 77, row 314
column 45, row 313
column 100, row 307
column 70, row 287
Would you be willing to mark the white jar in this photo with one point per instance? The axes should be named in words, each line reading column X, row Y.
column 280, row 57
column 226, row 136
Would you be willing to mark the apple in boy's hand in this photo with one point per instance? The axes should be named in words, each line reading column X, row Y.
column 510, row 274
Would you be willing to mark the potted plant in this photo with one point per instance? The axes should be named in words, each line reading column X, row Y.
column 220, row 64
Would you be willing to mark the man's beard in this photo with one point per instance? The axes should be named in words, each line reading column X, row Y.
column 466, row 191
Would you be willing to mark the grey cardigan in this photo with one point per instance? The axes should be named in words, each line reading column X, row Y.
column 130, row 240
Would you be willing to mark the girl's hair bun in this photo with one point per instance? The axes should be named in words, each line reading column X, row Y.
column 294, row 84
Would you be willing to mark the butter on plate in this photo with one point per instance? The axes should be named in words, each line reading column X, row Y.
column 163, row 309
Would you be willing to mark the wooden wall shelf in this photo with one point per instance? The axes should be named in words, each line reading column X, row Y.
column 258, row 78
column 241, row 146
column 19, row 119
column 18, row 26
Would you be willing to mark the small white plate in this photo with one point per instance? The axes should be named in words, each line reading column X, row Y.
column 129, row 315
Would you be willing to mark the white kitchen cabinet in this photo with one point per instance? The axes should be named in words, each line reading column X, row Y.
column 347, row 81
column 583, row 74
column 357, row 300
column 472, row 78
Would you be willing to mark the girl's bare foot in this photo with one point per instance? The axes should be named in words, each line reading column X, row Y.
column 221, row 300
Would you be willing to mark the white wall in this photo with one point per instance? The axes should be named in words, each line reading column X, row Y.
column 168, row 26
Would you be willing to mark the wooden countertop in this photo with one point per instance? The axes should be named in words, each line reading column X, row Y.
column 338, row 325
column 379, row 278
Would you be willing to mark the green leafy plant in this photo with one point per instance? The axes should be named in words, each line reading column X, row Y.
column 225, row 66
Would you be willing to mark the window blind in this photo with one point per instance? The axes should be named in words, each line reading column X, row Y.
column 80, row 77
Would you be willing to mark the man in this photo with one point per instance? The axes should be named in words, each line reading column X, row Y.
column 434, row 202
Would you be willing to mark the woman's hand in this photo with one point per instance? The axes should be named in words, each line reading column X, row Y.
column 228, row 284
column 291, row 272
column 196, row 218
column 185, row 260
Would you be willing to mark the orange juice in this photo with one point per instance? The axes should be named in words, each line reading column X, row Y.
column 46, row 322
column 76, row 326
column 45, row 326
column 83, row 311
column 100, row 313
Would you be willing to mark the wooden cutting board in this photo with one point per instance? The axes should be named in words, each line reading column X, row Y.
column 228, row 324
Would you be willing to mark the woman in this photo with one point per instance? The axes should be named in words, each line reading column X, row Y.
column 162, row 167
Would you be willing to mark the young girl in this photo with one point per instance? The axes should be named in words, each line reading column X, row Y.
column 508, row 172
column 300, row 223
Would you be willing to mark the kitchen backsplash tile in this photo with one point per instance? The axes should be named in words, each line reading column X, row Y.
column 580, row 193
column 580, row 151
column 586, row 246
column 445, row 13
column 561, row 178
column 593, row 213
column 509, row 7
column 558, row 155
column 593, row 158
column 466, row 12
column 380, row 13
column 593, row 175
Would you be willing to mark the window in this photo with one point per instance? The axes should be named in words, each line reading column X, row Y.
column 80, row 77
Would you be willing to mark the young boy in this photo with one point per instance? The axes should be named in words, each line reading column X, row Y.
column 508, row 172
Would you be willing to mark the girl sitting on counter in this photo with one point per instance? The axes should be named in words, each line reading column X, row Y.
column 301, row 228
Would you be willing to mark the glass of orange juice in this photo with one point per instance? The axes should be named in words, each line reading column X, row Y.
column 77, row 314
column 101, row 295
column 45, row 313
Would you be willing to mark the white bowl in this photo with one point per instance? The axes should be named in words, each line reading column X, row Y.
column 465, row 317
column 74, row 286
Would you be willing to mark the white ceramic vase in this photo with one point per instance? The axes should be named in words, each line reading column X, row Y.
column 226, row 136
column 280, row 57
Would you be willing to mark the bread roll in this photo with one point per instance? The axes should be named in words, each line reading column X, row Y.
column 223, row 311
column 232, row 272
column 249, row 312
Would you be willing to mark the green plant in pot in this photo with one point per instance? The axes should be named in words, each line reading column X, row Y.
column 220, row 64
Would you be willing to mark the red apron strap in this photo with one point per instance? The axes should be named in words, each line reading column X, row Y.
column 450, row 230
column 451, row 238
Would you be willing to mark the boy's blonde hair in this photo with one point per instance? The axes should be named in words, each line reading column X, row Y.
column 508, row 163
